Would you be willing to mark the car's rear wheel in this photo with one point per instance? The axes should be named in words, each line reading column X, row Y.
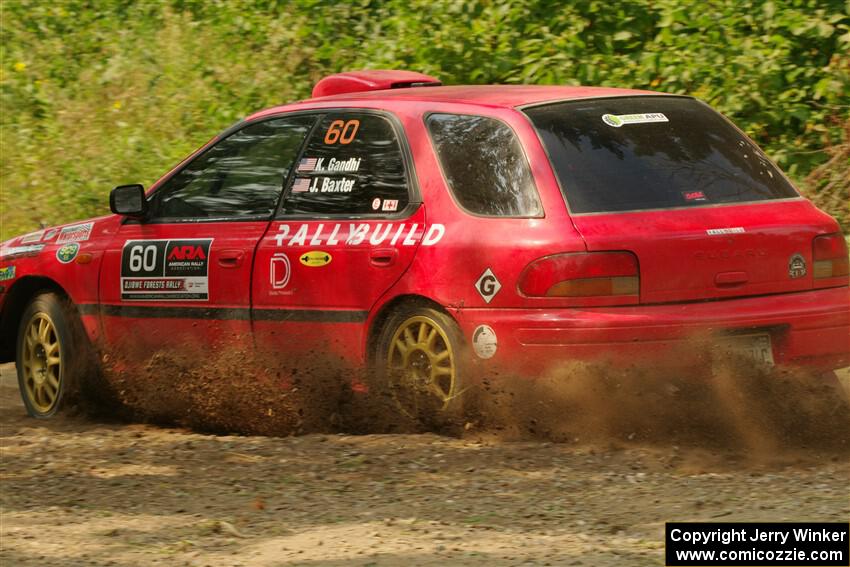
column 45, row 354
column 420, row 359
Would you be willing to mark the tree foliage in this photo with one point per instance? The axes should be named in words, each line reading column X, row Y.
column 101, row 92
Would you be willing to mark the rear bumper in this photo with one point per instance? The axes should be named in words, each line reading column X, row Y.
column 809, row 329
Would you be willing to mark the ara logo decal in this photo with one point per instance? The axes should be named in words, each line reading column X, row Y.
column 488, row 285
column 280, row 270
column 316, row 258
column 67, row 253
column 797, row 266
column 187, row 252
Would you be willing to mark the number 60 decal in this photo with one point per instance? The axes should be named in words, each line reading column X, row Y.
column 341, row 131
column 142, row 258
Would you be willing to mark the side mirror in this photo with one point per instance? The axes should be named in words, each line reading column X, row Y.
column 128, row 200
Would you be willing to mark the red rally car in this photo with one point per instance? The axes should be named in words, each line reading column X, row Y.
column 433, row 232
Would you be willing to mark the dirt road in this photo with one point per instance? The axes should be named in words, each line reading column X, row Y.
column 80, row 492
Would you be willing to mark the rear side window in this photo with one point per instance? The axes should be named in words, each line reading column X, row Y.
column 649, row 152
column 484, row 165
column 352, row 165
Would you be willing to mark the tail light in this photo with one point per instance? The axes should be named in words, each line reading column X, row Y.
column 593, row 278
column 829, row 257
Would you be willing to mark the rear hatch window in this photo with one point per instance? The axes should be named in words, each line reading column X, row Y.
column 652, row 152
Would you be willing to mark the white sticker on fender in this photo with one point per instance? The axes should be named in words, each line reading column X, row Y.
column 484, row 341
column 18, row 251
column 75, row 233
column 32, row 237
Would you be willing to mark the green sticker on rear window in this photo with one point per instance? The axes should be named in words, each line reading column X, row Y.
column 617, row 120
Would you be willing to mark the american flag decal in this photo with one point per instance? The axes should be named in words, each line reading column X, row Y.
column 307, row 164
column 301, row 185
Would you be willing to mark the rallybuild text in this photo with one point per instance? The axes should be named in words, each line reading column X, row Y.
column 756, row 543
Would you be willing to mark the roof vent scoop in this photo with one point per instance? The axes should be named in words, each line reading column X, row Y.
column 378, row 80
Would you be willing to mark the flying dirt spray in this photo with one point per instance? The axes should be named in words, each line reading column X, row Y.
column 725, row 403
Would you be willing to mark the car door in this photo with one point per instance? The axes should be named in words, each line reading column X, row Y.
column 348, row 228
column 180, row 280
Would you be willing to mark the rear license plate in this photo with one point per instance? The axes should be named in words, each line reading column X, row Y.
column 754, row 347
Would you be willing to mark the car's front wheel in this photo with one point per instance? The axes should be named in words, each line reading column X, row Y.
column 420, row 358
column 46, row 349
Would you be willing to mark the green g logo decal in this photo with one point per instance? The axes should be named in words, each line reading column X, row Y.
column 68, row 252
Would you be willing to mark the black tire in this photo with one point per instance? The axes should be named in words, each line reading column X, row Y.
column 414, row 390
column 48, row 381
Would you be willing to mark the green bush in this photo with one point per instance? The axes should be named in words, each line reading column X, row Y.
column 97, row 93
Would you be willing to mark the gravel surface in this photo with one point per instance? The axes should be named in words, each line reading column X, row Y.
column 82, row 492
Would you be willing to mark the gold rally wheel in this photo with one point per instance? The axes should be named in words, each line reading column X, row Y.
column 44, row 354
column 420, row 358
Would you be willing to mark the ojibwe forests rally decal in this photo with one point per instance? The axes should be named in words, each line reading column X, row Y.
column 359, row 234
column 165, row 270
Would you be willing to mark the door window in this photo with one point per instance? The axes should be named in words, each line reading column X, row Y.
column 240, row 177
column 352, row 165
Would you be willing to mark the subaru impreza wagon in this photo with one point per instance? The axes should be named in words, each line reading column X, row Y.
column 433, row 233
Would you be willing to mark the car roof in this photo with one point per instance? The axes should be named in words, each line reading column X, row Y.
column 504, row 96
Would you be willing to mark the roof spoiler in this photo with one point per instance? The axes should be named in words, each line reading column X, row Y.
column 377, row 80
